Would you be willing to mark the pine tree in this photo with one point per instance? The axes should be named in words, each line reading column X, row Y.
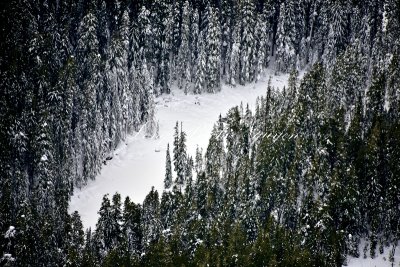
column 227, row 18
column 247, row 44
column 183, row 59
column 27, row 223
column 391, row 25
column 116, row 217
column 147, row 101
column 145, row 33
column 198, row 164
column 89, row 81
column 117, row 83
column 201, row 195
column 189, row 177
column 287, row 41
column 392, row 155
column 337, row 32
column 261, row 46
column 124, row 92
column 200, row 75
column 131, row 226
column 214, row 161
column 168, row 171
column 213, row 53
column 151, row 220
column 347, row 81
column 233, row 72
column 181, row 160
column 88, row 257
column 163, row 23
column 103, row 238
column 167, row 212
column 194, row 45
column 75, row 241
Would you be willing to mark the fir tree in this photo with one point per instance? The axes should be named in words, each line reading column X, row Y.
column 168, row 170
column 181, row 163
column 183, row 60
column 287, row 41
column 132, row 227
column 247, row 52
column 213, row 57
column 151, row 220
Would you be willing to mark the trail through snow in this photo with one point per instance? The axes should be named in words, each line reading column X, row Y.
column 139, row 163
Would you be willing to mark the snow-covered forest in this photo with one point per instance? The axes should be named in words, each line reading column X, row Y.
column 309, row 177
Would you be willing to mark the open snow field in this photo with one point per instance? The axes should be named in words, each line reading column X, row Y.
column 380, row 260
column 139, row 163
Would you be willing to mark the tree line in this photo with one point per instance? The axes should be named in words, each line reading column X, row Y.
column 78, row 76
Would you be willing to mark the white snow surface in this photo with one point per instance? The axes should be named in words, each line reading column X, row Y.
column 380, row 260
column 139, row 163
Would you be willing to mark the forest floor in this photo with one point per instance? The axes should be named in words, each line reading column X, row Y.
column 139, row 162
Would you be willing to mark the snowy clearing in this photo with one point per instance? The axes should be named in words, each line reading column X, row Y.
column 380, row 260
column 139, row 163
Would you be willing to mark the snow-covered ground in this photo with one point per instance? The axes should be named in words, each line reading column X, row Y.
column 139, row 163
column 380, row 260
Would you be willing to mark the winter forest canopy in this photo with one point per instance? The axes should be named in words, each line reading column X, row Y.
column 298, row 181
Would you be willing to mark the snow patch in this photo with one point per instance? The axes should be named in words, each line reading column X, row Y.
column 10, row 232
column 135, row 167
column 381, row 260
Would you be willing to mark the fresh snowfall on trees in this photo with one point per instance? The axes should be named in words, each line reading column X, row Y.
column 307, row 175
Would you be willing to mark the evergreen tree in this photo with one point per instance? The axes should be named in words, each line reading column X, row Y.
column 90, row 82
column 227, row 18
column 167, row 210
column 233, row 72
column 247, row 52
column 200, row 75
column 75, row 241
column 168, row 170
column 180, row 156
column 298, row 176
column 213, row 53
column 116, row 217
column 131, row 226
column 337, row 31
column 214, row 162
column 151, row 220
column 261, row 46
column 198, row 164
column 201, row 195
column 287, row 41
column 347, row 81
column 181, row 164
column 103, row 238
column 147, row 101
column 163, row 23
column 183, row 59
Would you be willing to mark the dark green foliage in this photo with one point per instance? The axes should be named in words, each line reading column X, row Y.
column 168, row 170
column 299, row 183
column 151, row 220
column 295, row 186
column 180, row 159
